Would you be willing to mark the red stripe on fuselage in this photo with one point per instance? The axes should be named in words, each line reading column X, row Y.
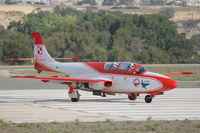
column 42, row 67
column 168, row 83
column 99, row 67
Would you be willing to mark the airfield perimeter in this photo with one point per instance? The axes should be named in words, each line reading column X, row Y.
column 25, row 100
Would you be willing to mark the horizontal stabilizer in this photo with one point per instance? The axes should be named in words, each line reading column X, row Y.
column 43, row 58
column 178, row 73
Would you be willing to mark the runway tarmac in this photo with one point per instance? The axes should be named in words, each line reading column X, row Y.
column 25, row 100
column 46, row 105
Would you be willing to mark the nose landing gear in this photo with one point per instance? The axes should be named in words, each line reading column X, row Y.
column 148, row 98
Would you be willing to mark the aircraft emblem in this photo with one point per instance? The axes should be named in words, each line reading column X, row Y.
column 144, row 85
column 39, row 50
column 136, row 82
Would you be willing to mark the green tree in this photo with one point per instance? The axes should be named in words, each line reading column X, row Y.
column 15, row 45
column 105, row 36
column 109, row 2
column 157, row 2
column 9, row 2
column 119, row 54
column 125, row 2
column 157, row 56
column 144, row 57
column 91, row 2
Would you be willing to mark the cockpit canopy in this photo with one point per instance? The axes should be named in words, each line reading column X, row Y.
column 124, row 67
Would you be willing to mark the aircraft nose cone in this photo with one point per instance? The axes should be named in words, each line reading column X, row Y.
column 171, row 83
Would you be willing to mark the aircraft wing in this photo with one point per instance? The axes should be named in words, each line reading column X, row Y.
column 62, row 79
column 178, row 73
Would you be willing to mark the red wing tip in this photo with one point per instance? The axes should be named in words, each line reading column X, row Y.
column 179, row 73
column 187, row 73
column 22, row 76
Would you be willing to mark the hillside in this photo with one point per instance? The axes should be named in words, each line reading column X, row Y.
column 10, row 13
column 182, row 16
column 100, row 36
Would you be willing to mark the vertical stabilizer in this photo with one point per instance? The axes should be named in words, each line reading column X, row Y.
column 41, row 55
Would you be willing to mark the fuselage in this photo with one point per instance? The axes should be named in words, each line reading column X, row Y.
column 126, row 77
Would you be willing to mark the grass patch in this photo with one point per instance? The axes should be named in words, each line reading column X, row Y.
column 27, row 125
column 198, row 125
column 176, row 126
column 77, row 122
column 54, row 122
column 151, row 127
column 108, row 120
column 3, row 123
column 149, row 118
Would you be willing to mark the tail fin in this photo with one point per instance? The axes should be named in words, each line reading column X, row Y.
column 41, row 52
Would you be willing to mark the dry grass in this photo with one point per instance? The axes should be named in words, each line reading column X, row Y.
column 16, row 12
column 26, row 9
column 195, row 68
column 108, row 126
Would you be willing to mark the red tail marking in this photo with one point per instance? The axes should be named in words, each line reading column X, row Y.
column 37, row 38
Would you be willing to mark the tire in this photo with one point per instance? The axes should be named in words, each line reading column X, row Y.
column 76, row 99
column 132, row 96
column 148, row 98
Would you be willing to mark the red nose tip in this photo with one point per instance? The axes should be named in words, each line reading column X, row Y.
column 171, row 84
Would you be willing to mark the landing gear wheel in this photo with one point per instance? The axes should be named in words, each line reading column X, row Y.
column 132, row 96
column 148, row 98
column 75, row 98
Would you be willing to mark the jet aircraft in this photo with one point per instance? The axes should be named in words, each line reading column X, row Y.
column 100, row 78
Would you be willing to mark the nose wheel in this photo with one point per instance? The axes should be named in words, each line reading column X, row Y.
column 148, row 98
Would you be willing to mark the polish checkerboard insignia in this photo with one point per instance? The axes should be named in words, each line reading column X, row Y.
column 39, row 50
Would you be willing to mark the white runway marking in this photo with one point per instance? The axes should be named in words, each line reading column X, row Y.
column 54, row 105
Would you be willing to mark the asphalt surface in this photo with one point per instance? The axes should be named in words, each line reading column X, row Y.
column 44, row 105
column 26, row 84
column 27, row 100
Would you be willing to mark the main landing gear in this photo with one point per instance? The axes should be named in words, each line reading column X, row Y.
column 75, row 96
column 148, row 98
column 132, row 96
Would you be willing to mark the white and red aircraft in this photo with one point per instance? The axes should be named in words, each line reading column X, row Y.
column 101, row 78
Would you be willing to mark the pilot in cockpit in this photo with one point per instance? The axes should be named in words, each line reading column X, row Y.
column 131, row 66
column 113, row 66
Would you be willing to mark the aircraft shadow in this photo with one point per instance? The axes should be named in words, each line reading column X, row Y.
column 113, row 100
